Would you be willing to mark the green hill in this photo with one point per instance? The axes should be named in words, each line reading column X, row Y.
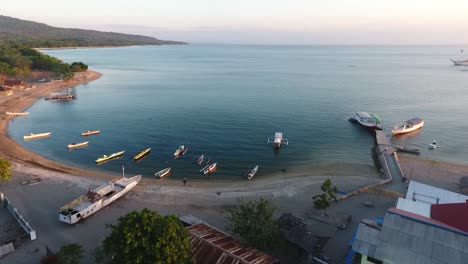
column 32, row 34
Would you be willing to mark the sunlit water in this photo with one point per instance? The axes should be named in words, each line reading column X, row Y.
column 224, row 101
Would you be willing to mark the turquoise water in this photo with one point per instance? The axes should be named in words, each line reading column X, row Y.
column 224, row 101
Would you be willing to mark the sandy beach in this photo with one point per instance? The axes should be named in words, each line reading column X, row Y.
column 290, row 191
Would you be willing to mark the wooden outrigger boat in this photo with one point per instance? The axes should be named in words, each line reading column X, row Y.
column 278, row 140
column 110, row 157
column 180, row 151
column 210, row 169
column 252, row 172
column 142, row 154
column 37, row 136
column 163, row 173
column 17, row 113
column 90, row 133
column 408, row 150
column 78, row 145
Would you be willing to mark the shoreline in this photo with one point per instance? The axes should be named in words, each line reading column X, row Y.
column 22, row 100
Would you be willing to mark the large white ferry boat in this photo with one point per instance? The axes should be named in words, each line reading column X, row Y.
column 96, row 199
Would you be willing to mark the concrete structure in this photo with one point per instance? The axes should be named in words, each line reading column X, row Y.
column 418, row 230
column 13, row 228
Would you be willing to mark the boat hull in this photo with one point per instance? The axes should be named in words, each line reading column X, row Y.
column 79, row 145
column 142, row 154
column 99, row 204
column 90, row 133
column 110, row 157
column 163, row 173
column 37, row 136
column 408, row 130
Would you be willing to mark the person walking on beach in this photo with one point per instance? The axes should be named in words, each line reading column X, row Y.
column 185, row 181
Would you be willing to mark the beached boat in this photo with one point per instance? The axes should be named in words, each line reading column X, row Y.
column 90, row 133
column 408, row 150
column 210, row 169
column 17, row 113
column 201, row 159
column 181, row 150
column 367, row 120
column 252, row 172
column 278, row 140
column 433, row 145
column 60, row 96
column 37, row 136
column 111, row 156
column 408, row 126
column 163, row 173
column 96, row 199
column 78, row 145
column 33, row 181
column 142, row 154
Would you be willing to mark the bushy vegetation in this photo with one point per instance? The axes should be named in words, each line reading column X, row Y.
column 20, row 61
column 5, row 172
column 254, row 223
column 147, row 237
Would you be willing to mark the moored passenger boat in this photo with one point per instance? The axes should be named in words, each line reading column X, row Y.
column 110, row 157
column 367, row 120
column 17, row 113
column 408, row 126
column 96, row 199
column 278, row 140
column 142, row 154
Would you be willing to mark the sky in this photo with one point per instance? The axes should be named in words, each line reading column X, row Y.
column 400, row 22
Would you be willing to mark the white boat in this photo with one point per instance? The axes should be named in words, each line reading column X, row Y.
column 252, row 172
column 96, row 199
column 17, row 113
column 201, row 159
column 37, row 136
column 111, row 156
column 163, row 173
column 210, row 169
column 459, row 62
column 278, row 140
column 408, row 126
column 78, row 145
column 433, row 145
column 179, row 151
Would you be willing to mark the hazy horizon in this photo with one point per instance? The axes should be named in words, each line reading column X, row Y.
column 298, row 22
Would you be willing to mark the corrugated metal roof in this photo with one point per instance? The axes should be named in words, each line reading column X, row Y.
column 432, row 195
column 419, row 208
column 211, row 246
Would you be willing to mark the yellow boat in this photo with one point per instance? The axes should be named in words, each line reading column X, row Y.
column 142, row 154
column 111, row 156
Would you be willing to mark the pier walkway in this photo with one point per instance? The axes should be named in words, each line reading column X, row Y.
column 388, row 160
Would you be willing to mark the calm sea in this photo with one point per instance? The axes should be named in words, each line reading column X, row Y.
column 224, row 101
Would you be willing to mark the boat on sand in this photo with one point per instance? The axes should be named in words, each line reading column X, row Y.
column 408, row 150
column 17, row 113
column 90, row 133
column 96, row 199
column 142, row 154
column 78, row 145
column 408, row 126
column 110, row 157
column 37, row 136
column 252, row 172
column 163, row 173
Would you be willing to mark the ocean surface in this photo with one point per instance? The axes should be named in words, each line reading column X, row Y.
column 224, row 101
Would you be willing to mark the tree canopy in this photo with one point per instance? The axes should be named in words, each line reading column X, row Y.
column 329, row 191
column 253, row 222
column 70, row 254
column 147, row 237
column 5, row 172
